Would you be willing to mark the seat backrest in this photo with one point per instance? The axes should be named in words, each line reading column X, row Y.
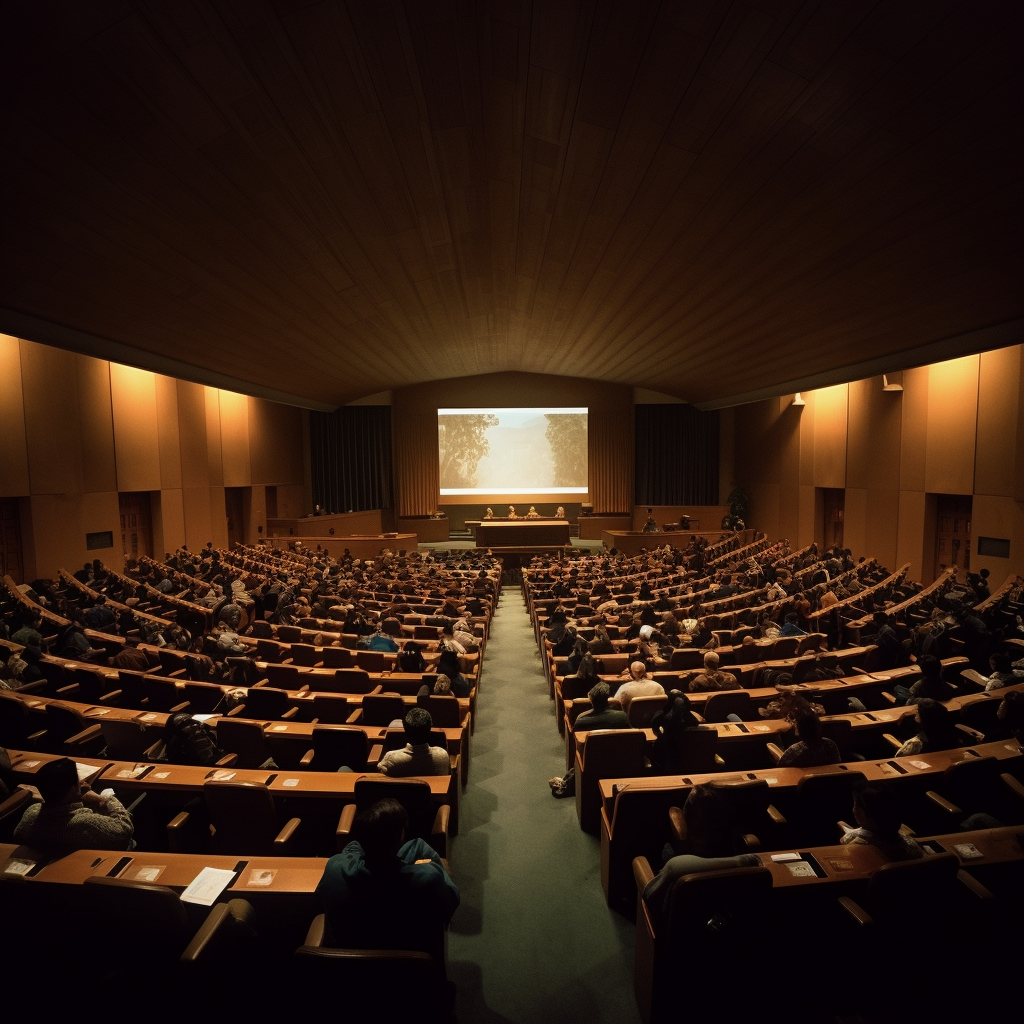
column 284, row 676
column 269, row 650
column 905, row 890
column 203, row 698
column 719, row 706
column 305, row 654
column 696, row 752
column 643, row 709
column 840, row 732
column 266, row 702
column 382, row 708
column 332, row 710
column 337, row 657
column 698, row 904
column 686, row 658
column 243, row 737
column 444, row 710
column 614, row 753
column 349, row 680
column 612, row 664
column 13, row 720
column 243, row 817
column 289, row 634
column 63, row 721
column 413, row 794
column 118, row 908
column 127, row 740
column 335, row 746
column 968, row 782
column 371, row 661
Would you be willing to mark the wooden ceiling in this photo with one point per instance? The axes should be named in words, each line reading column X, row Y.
column 325, row 200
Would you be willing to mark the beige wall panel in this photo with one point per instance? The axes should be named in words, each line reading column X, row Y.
column 234, row 435
column 997, row 421
column 50, row 388
column 99, row 467
column 14, row 475
column 952, row 426
column 855, row 526
column 290, row 501
column 214, row 453
column 192, row 434
column 910, row 538
column 167, row 432
column 873, row 436
column 765, row 501
column 60, row 523
column 1001, row 517
column 218, row 518
column 197, row 515
column 137, row 441
column 830, row 416
column 914, row 429
column 168, row 521
column 275, row 442
column 881, row 526
column 256, row 514
column 805, row 417
column 805, row 534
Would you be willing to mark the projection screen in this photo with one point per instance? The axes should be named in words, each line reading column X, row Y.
column 489, row 452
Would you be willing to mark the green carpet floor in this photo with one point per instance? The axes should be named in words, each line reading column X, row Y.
column 533, row 940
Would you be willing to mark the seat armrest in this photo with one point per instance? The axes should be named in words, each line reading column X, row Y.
column 227, row 761
column 642, row 873
column 942, row 803
column 777, row 817
column 111, row 697
column 343, row 832
column 972, row 734
column 285, row 836
column 221, row 915
column 64, row 692
column 376, row 753
column 751, row 843
column 973, row 885
column 183, row 706
column 677, row 825
column 307, row 758
column 17, row 800
column 354, row 718
column 891, row 740
column 178, row 673
column 774, row 751
column 856, row 911
column 1014, row 785
column 238, row 711
column 304, row 688
column 889, row 697
column 83, row 738
column 290, row 713
column 317, row 929
column 36, row 686
column 439, row 830
column 176, row 831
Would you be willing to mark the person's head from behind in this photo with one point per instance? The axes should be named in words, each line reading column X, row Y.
column 57, row 781
column 930, row 666
column 680, row 705
column 808, row 727
column 638, row 670
column 1011, row 709
column 711, row 662
column 587, row 668
column 934, row 718
column 380, row 830
column 999, row 662
column 709, row 827
column 875, row 808
column 443, row 686
column 599, row 694
column 418, row 723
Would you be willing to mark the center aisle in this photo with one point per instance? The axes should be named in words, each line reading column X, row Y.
column 533, row 940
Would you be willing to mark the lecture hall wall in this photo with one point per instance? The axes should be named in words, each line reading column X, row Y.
column 77, row 431
column 957, row 428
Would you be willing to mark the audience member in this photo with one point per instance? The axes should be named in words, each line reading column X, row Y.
column 418, row 757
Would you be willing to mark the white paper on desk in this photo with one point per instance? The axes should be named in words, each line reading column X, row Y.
column 204, row 718
column 86, row 771
column 207, row 886
column 132, row 773
column 222, row 775
column 19, row 867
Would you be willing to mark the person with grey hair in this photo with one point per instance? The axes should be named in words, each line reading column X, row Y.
column 711, row 678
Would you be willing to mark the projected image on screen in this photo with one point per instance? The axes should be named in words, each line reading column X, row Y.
column 512, row 451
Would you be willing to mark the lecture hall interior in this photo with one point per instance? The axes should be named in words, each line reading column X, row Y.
column 250, row 249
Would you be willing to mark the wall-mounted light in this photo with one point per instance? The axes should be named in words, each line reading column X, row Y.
column 892, row 381
column 798, row 401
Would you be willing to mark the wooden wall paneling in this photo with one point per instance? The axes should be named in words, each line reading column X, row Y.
column 168, row 521
column 218, row 518
column 198, row 516
column 275, row 442
column 168, row 433
column 808, row 528
column 881, row 525
column 830, row 435
column 214, row 450
column 50, row 387
column 914, row 429
column 192, row 435
column 59, row 525
column 855, row 522
column 952, row 426
column 873, row 449
column 806, row 418
column 726, row 452
column 99, row 463
column 790, row 433
column 234, row 431
column 291, row 501
column 911, row 543
column 998, row 410
column 14, row 470
column 1000, row 517
column 136, row 434
column 256, row 513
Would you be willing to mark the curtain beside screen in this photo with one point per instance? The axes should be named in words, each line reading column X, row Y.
column 676, row 455
column 350, row 453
